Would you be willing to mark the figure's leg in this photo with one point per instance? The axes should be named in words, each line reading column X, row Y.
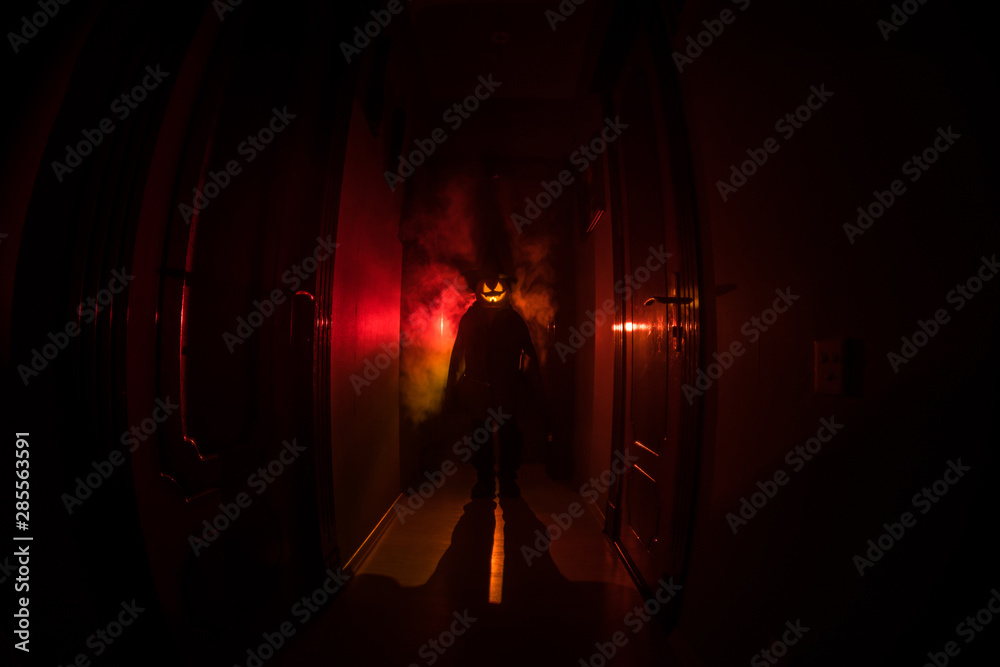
column 511, row 443
column 482, row 460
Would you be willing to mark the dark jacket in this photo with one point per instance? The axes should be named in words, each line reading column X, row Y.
column 489, row 343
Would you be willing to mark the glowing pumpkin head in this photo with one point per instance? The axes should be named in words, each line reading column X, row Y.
column 493, row 292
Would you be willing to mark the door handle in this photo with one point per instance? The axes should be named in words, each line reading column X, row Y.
column 679, row 300
column 676, row 330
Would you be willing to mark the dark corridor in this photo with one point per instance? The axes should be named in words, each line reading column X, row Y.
column 735, row 262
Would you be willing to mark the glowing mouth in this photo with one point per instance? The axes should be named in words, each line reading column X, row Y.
column 493, row 299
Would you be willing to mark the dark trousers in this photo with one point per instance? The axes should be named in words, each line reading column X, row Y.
column 511, row 441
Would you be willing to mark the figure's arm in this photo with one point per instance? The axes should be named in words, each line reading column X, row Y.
column 457, row 364
column 529, row 346
column 533, row 375
column 531, row 366
column 455, row 369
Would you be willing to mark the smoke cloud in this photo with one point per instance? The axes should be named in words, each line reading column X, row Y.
column 452, row 234
column 534, row 292
column 436, row 296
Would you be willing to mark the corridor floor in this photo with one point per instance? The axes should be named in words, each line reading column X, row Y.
column 423, row 595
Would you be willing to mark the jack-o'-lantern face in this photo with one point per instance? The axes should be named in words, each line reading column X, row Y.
column 492, row 293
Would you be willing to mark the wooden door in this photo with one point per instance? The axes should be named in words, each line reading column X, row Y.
column 658, row 426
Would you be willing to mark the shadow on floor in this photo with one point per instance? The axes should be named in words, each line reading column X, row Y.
column 542, row 619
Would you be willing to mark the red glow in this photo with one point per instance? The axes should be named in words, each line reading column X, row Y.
column 429, row 322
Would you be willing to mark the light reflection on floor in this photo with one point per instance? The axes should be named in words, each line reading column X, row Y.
column 496, row 561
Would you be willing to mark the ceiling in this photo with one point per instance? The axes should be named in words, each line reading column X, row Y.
column 459, row 40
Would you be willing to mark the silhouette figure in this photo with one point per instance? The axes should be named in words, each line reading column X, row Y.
column 486, row 375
